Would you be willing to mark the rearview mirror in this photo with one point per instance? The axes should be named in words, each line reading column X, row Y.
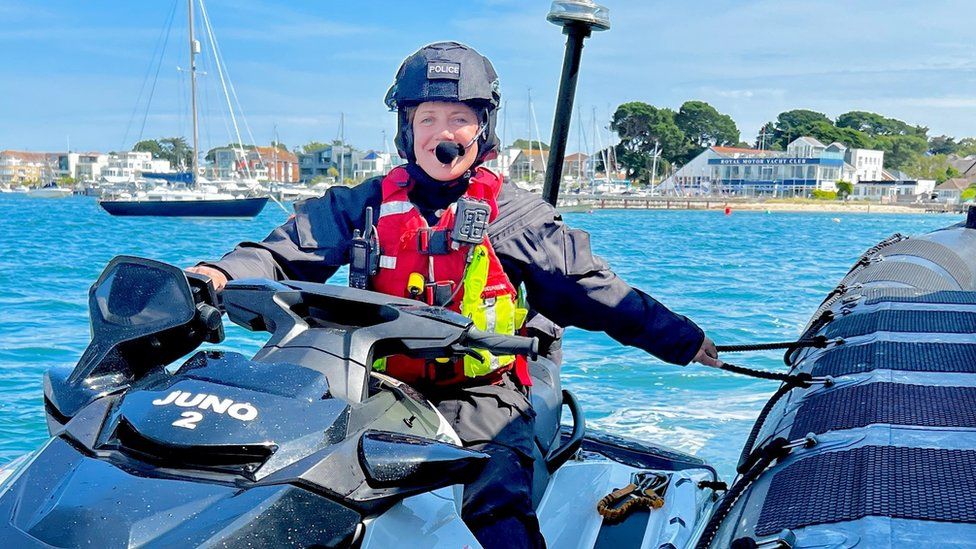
column 406, row 461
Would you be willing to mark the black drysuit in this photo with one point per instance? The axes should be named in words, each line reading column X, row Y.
column 566, row 285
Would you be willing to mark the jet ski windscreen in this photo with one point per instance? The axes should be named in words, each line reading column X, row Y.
column 141, row 297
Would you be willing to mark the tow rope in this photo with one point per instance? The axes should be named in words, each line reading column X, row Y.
column 801, row 380
column 645, row 490
column 818, row 342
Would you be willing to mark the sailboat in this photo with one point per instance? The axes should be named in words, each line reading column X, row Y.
column 198, row 199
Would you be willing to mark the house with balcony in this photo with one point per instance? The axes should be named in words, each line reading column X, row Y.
column 81, row 166
column 23, row 168
column 318, row 162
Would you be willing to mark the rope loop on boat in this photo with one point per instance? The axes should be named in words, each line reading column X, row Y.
column 645, row 490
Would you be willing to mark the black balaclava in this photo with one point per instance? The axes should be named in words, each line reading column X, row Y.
column 433, row 195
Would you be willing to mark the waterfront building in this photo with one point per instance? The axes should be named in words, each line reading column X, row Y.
column 227, row 162
column 129, row 166
column 375, row 164
column 502, row 163
column 951, row 190
column 805, row 165
column 528, row 165
column 894, row 186
column 282, row 164
column 868, row 164
column 81, row 166
column 27, row 168
column 966, row 166
column 576, row 166
column 317, row 162
column 260, row 163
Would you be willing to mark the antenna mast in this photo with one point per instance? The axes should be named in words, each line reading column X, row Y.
column 194, row 50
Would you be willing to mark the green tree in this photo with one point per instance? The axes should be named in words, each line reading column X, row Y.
column 876, row 125
column 313, row 145
column 279, row 145
column 936, row 167
column 827, row 133
column 704, row 127
column 844, row 189
column 796, row 123
column 524, row 144
column 150, row 146
column 176, row 150
column 968, row 194
column 943, row 144
column 641, row 127
column 333, row 172
column 766, row 138
column 901, row 150
column 967, row 146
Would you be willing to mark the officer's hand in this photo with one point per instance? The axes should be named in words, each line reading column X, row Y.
column 707, row 354
column 218, row 278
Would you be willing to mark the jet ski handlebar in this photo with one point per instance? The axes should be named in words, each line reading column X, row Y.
column 501, row 344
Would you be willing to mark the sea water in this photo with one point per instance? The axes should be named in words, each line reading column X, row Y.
column 744, row 278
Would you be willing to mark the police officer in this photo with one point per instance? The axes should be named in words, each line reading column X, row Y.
column 447, row 95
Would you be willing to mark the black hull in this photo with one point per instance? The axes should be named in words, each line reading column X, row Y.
column 238, row 207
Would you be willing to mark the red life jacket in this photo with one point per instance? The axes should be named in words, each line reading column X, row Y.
column 442, row 278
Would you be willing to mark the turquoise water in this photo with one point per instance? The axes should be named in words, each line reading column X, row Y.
column 744, row 278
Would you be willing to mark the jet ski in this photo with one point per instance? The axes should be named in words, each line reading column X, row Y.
column 879, row 448
column 155, row 443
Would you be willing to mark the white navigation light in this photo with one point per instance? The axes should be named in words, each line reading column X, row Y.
column 566, row 12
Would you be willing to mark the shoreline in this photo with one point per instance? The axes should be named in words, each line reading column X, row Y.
column 771, row 207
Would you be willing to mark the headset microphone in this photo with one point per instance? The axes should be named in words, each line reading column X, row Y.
column 447, row 151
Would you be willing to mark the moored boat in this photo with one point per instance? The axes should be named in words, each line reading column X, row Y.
column 189, row 207
column 49, row 191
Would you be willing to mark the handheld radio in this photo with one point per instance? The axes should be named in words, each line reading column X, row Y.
column 364, row 254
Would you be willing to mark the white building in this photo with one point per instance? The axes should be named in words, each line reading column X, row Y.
column 502, row 164
column 807, row 164
column 894, row 190
column 129, row 166
column 951, row 190
column 81, row 166
column 374, row 164
column 869, row 164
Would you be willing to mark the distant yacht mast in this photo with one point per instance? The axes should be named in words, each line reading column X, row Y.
column 194, row 50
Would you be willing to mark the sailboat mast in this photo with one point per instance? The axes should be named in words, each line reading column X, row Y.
column 342, row 147
column 194, row 50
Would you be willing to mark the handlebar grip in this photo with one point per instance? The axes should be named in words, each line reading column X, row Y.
column 501, row 344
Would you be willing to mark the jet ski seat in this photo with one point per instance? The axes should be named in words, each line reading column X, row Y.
column 551, row 448
column 547, row 400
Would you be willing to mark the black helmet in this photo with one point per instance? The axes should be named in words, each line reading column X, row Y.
column 445, row 71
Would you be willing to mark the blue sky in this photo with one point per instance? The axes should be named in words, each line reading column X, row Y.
column 73, row 70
